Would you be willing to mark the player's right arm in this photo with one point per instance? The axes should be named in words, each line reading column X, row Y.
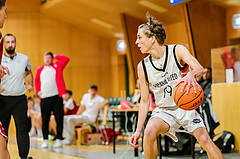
column 143, row 108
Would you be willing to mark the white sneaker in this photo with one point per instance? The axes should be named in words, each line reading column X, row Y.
column 45, row 144
column 58, row 143
column 32, row 132
column 67, row 141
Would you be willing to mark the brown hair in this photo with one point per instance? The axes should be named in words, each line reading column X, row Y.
column 49, row 53
column 154, row 28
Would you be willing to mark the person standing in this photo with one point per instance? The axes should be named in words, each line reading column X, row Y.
column 13, row 99
column 162, row 70
column 3, row 145
column 50, row 87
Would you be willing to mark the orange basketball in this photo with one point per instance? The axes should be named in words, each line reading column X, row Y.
column 188, row 101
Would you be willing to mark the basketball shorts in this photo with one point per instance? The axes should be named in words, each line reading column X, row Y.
column 2, row 132
column 189, row 120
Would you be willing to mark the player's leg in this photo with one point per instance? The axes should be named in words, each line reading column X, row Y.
column 3, row 144
column 3, row 148
column 53, row 124
column 33, row 126
column 154, row 127
column 39, row 124
column 204, row 140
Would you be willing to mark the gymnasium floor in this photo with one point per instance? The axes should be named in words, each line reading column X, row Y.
column 90, row 152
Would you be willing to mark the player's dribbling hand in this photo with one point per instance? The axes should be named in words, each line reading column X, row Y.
column 133, row 139
column 188, row 80
column 3, row 71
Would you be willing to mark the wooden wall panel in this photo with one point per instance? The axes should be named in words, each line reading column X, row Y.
column 134, row 56
column 232, row 33
column 208, row 23
column 176, row 34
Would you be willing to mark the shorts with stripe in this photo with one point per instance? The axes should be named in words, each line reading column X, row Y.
column 189, row 120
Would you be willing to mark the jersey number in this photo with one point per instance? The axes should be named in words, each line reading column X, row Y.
column 167, row 90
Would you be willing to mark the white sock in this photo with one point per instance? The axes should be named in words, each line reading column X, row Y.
column 32, row 129
column 39, row 132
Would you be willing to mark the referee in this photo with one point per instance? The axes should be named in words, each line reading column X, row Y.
column 12, row 99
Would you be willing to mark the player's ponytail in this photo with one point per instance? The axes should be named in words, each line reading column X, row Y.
column 154, row 28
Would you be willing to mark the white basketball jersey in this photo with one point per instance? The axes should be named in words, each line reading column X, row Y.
column 162, row 75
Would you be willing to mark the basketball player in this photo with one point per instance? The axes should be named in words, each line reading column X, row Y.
column 3, row 145
column 161, row 71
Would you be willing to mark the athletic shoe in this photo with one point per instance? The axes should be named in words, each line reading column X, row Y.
column 45, row 144
column 58, row 143
column 67, row 141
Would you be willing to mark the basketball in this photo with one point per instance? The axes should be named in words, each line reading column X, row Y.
column 188, row 101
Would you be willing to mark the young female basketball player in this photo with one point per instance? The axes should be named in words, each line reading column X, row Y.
column 162, row 70
column 4, row 154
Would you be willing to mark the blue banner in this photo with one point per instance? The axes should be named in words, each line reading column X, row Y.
column 176, row 1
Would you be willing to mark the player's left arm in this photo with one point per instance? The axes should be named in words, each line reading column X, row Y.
column 29, row 79
column 184, row 56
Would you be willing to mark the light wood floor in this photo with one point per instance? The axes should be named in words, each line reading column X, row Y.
column 38, row 153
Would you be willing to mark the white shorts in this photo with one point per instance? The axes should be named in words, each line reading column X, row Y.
column 189, row 120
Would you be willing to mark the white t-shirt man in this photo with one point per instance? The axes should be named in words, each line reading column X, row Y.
column 88, row 116
column 91, row 106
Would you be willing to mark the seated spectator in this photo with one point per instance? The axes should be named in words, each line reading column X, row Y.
column 35, row 114
column 70, row 108
column 87, row 113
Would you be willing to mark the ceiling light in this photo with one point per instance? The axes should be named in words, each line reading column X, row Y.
column 118, row 35
column 102, row 23
column 152, row 6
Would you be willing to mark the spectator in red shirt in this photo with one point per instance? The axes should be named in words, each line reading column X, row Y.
column 50, row 87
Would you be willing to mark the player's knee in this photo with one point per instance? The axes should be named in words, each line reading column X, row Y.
column 203, row 139
column 150, row 134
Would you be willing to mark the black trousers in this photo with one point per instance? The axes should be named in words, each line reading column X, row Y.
column 48, row 105
column 17, row 107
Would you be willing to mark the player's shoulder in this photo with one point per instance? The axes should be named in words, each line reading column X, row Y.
column 143, row 62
